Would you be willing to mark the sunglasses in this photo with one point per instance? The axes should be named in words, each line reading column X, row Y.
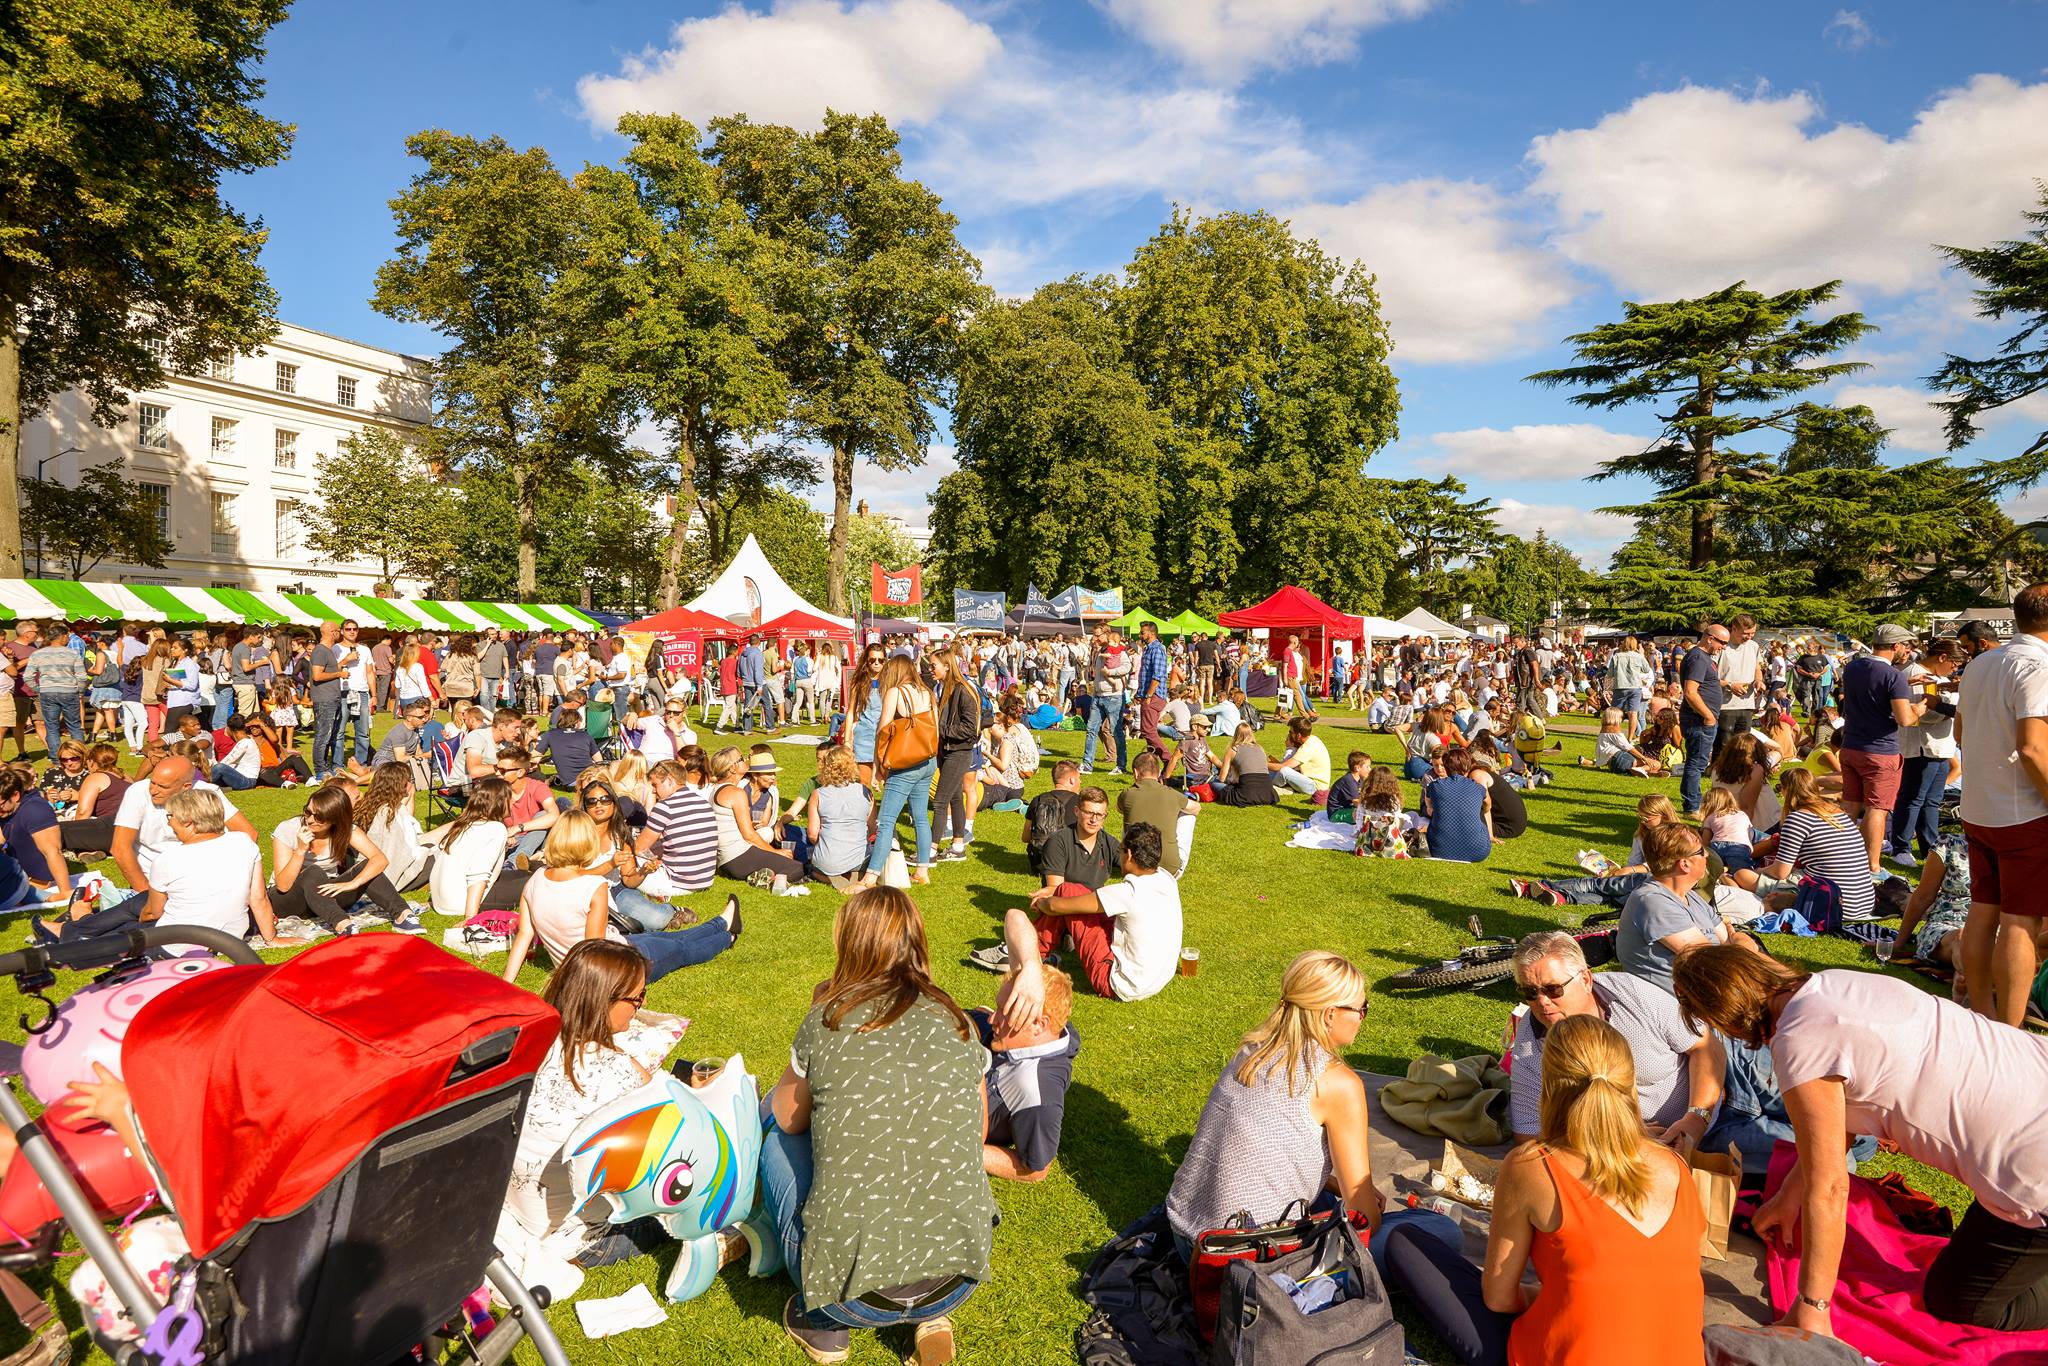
column 1361, row 1008
column 1549, row 991
column 636, row 1000
column 596, row 799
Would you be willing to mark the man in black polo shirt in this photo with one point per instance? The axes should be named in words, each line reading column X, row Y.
column 1087, row 853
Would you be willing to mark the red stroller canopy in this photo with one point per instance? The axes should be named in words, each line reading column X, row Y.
column 257, row 1086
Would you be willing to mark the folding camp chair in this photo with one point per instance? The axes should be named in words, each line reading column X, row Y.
column 445, row 797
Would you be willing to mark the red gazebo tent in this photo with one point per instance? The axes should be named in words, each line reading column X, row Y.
column 682, row 632
column 798, row 624
column 1297, row 610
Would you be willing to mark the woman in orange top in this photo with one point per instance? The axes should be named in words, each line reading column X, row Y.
column 1609, row 1216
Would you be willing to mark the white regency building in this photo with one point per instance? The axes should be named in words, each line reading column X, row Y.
column 229, row 457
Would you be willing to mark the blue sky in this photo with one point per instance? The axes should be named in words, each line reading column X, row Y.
column 1509, row 169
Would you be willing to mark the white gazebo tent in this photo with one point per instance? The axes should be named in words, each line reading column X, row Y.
column 1422, row 621
column 750, row 592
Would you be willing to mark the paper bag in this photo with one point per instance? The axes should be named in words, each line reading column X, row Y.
column 1458, row 1161
column 1716, row 1176
column 896, row 870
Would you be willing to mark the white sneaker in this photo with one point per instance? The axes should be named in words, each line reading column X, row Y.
column 1904, row 858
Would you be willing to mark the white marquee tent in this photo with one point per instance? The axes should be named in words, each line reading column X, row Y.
column 750, row 592
column 1430, row 624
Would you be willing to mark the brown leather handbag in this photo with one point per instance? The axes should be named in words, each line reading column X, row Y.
column 908, row 741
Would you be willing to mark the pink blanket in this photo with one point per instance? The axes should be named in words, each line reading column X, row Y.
column 1877, row 1308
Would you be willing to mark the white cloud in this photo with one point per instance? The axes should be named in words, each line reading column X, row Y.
column 1689, row 190
column 1459, row 279
column 1229, row 38
column 1916, row 424
column 904, row 58
column 1849, row 30
column 1559, row 450
column 1591, row 535
column 902, row 493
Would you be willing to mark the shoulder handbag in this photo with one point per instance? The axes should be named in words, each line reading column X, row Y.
column 1322, row 1303
column 908, row 741
column 1216, row 1250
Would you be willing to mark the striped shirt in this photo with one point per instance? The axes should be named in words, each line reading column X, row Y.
column 687, row 838
column 1831, row 847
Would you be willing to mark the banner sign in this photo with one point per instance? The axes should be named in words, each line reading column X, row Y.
column 1067, row 606
column 978, row 611
column 1107, row 602
column 897, row 588
column 683, row 654
column 1036, row 608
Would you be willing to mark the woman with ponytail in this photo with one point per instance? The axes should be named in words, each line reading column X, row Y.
column 1609, row 1216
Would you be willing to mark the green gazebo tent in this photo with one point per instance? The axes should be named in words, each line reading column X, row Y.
column 1189, row 623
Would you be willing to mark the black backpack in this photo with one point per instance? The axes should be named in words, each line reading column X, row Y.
column 1137, row 1293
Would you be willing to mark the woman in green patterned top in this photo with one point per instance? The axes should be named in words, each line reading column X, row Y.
column 872, row 1171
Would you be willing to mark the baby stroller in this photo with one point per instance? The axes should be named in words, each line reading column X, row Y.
column 336, row 1135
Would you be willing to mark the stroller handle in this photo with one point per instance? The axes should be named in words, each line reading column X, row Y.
column 133, row 942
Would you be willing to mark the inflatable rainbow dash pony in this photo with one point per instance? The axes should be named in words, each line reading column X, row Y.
column 687, row 1156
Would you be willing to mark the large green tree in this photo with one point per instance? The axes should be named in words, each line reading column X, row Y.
column 376, row 499
column 78, row 525
column 2012, row 284
column 681, row 284
column 603, row 546
column 118, row 121
column 487, row 235
column 1525, row 582
column 878, row 285
column 1268, row 360
column 1435, row 526
column 1059, row 451
column 1717, row 368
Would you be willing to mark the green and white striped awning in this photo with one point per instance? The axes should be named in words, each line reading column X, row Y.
column 73, row 601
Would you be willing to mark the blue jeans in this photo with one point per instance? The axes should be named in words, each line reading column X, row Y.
column 757, row 695
column 1699, row 752
column 1417, row 769
column 1918, row 817
column 361, row 721
column 652, row 913
column 1295, row 779
column 667, row 950
column 912, row 787
column 1108, row 712
column 223, row 706
column 231, row 778
column 328, row 754
column 785, row 1184
column 61, row 711
column 1597, row 891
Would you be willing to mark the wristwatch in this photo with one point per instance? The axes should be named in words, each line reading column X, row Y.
column 1811, row 1303
column 1705, row 1112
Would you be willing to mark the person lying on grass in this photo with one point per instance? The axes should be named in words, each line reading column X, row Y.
column 1033, row 1050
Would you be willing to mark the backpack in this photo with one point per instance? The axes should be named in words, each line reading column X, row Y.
column 1137, row 1293
column 1819, row 900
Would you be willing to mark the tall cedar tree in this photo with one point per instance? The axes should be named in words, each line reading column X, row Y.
column 117, row 256
column 486, row 236
column 682, row 283
column 1725, row 363
column 2014, row 284
column 880, row 288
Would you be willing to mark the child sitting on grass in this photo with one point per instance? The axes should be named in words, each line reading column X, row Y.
column 1727, row 827
column 1383, row 828
column 1346, row 791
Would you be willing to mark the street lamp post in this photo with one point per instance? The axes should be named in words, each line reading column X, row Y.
column 68, row 450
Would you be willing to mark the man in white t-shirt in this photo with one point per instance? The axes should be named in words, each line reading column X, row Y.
column 2002, row 722
column 212, row 876
column 141, row 833
column 1126, row 934
column 1741, row 681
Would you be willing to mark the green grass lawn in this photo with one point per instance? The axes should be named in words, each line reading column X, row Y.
column 1144, row 1069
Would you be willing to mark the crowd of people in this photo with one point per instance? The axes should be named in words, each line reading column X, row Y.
column 581, row 802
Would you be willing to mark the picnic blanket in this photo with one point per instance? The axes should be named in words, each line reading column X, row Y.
column 1401, row 1160
column 1466, row 1099
column 1320, row 832
column 1877, row 1305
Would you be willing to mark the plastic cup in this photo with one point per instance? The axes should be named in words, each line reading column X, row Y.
column 1190, row 962
column 705, row 1071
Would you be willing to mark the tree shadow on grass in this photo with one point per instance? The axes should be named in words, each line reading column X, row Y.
column 1112, row 1165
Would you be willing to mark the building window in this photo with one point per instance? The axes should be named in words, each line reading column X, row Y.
column 224, row 438
column 221, row 367
column 155, row 422
column 157, row 498
column 345, row 391
column 287, row 527
column 286, row 456
column 287, row 378
column 225, row 541
column 159, row 349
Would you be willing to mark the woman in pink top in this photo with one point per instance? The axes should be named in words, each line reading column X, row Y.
column 1862, row 1053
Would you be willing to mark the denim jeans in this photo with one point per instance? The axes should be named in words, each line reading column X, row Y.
column 758, row 695
column 61, row 711
column 328, row 754
column 1918, row 816
column 912, row 787
column 1108, row 713
column 1295, row 779
column 1597, row 891
column 1699, row 752
column 785, row 1185
column 223, row 706
column 667, row 950
column 360, row 719
column 231, row 778
column 652, row 913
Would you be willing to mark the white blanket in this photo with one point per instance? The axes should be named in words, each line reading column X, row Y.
column 1320, row 832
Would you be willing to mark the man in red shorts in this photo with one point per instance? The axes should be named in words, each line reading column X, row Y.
column 1875, row 703
column 2003, row 723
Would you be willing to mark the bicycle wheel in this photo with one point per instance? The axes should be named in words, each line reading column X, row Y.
column 1475, row 967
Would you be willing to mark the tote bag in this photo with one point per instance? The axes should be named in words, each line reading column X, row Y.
column 908, row 741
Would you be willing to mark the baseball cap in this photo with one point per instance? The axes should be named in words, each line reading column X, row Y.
column 1889, row 634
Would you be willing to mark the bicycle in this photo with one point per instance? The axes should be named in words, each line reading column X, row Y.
column 1492, row 958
